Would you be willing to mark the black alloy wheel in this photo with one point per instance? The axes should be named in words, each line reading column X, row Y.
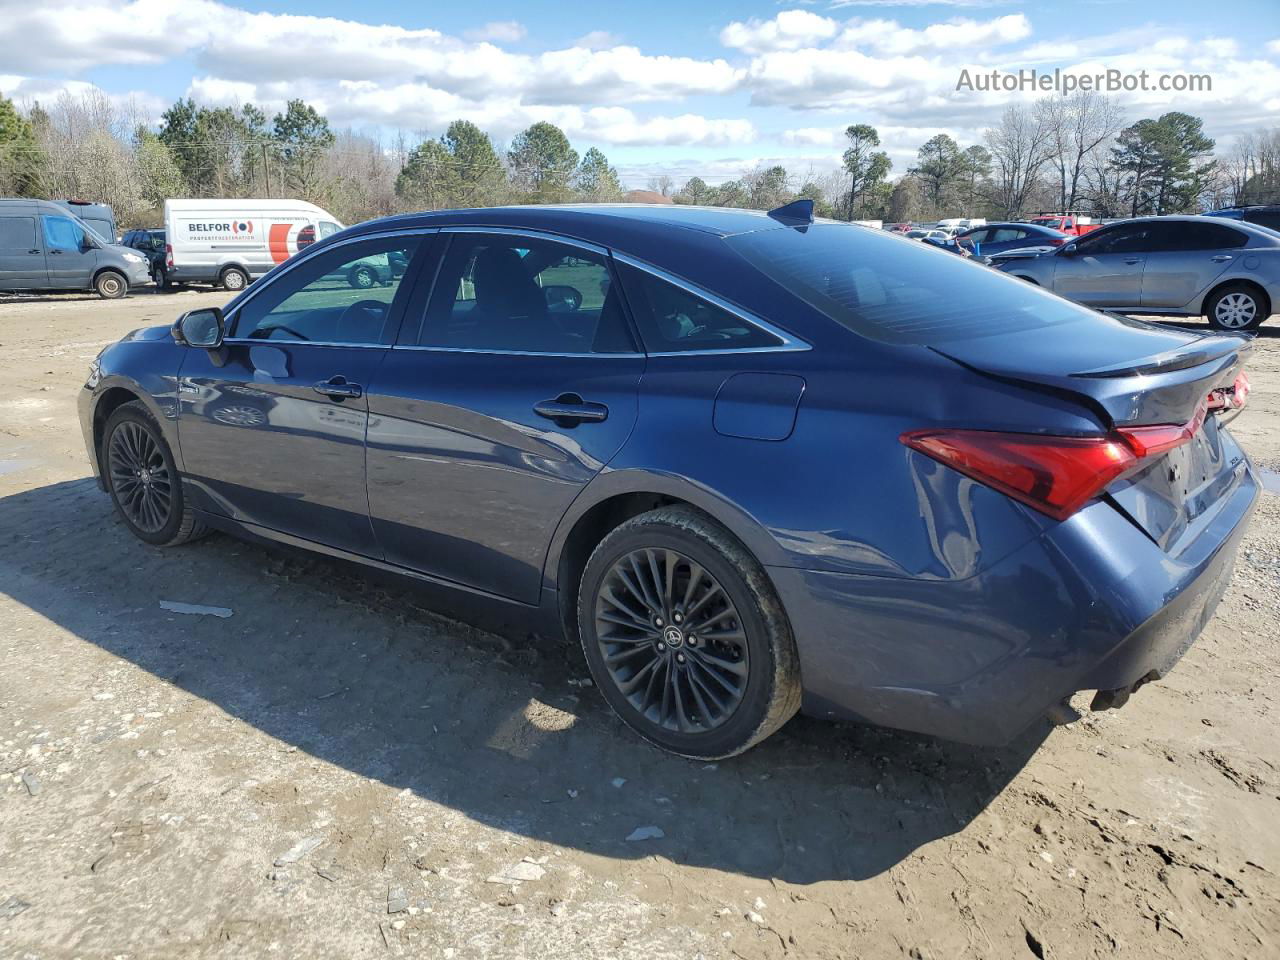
column 143, row 480
column 685, row 635
column 672, row 640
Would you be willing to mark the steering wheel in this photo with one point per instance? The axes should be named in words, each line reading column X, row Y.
column 374, row 310
column 264, row 333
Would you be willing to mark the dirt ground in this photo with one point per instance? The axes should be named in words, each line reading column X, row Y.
column 334, row 771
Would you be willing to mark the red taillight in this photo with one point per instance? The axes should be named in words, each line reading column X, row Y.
column 1232, row 397
column 1055, row 475
column 168, row 255
column 1058, row 241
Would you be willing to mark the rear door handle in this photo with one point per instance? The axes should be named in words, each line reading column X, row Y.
column 569, row 409
column 338, row 388
column 1133, row 260
column 1221, row 258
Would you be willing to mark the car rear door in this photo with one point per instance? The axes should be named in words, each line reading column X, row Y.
column 509, row 389
column 1105, row 269
column 272, row 426
column 22, row 265
column 1188, row 257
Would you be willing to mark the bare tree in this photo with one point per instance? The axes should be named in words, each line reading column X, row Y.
column 1078, row 126
column 663, row 185
column 1020, row 146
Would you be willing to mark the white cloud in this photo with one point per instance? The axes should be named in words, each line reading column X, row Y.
column 597, row 40
column 812, row 136
column 789, row 30
column 1274, row 46
column 887, row 36
column 499, row 31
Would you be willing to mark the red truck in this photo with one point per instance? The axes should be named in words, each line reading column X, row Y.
column 1071, row 223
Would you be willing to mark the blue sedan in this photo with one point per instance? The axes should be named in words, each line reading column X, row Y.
column 999, row 237
column 751, row 463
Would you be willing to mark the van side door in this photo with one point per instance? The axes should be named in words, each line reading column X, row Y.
column 22, row 264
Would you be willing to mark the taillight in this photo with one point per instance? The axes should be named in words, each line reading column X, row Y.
column 168, row 255
column 1058, row 241
column 1232, row 397
column 1055, row 475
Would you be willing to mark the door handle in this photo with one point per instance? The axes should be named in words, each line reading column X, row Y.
column 338, row 388
column 1133, row 260
column 33, row 251
column 1221, row 258
column 569, row 409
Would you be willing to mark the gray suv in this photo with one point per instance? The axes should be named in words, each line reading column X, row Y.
column 43, row 247
column 1169, row 266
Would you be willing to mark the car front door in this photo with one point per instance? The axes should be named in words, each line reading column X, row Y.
column 272, row 426
column 1187, row 258
column 21, row 255
column 1104, row 269
column 509, row 390
column 69, row 255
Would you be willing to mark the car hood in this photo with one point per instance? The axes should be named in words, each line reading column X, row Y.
column 147, row 334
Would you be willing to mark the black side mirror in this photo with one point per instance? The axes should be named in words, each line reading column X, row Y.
column 1067, row 251
column 201, row 328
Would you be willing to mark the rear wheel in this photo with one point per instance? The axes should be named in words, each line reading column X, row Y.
column 143, row 479
column 110, row 285
column 1237, row 306
column 233, row 279
column 685, row 636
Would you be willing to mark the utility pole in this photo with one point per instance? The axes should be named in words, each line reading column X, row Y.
column 266, row 168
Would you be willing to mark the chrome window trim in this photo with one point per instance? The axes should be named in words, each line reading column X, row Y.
column 516, row 353
column 249, row 342
column 532, row 235
column 789, row 344
column 297, row 260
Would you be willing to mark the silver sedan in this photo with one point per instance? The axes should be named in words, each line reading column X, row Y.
column 1176, row 266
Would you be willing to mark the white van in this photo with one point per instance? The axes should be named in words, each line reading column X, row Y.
column 230, row 242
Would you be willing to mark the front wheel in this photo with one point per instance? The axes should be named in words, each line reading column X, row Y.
column 143, row 479
column 1237, row 306
column 685, row 636
column 110, row 285
column 362, row 278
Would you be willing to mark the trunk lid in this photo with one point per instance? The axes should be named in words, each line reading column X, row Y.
column 1134, row 374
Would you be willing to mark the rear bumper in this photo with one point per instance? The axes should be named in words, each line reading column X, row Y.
column 1091, row 604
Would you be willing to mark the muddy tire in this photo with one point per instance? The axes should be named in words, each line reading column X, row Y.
column 143, row 479
column 685, row 636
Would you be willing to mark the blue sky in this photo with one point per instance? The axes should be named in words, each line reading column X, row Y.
column 670, row 87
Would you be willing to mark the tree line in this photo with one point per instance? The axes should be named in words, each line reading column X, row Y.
column 1062, row 154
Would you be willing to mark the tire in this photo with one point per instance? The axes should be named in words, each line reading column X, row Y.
column 132, row 440
column 110, row 285
column 704, row 696
column 362, row 278
column 1236, row 307
column 233, row 279
column 161, row 278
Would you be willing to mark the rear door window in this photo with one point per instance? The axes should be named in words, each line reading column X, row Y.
column 673, row 319
column 1179, row 235
column 502, row 293
column 1264, row 218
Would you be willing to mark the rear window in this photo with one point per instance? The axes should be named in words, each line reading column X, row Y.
column 899, row 291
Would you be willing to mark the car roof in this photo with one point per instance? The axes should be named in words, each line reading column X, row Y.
column 588, row 220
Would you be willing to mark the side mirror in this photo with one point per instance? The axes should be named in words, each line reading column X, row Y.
column 201, row 328
column 1069, row 250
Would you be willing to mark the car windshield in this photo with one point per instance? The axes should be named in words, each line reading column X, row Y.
column 887, row 289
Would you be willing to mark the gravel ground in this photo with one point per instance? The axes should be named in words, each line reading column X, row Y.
column 333, row 770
